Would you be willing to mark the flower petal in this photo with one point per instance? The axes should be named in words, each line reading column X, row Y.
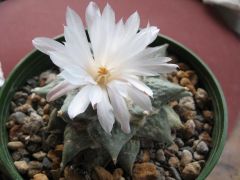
column 139, row 98
column 139, row 42
column 138, row 84
column 1, row 76
column 120, row 108
column 82, row 78
column 47, row 45
column 59, row 90
column 105, row 113
column 76, row 39
column 95, row 95
column 92, row 12
column 132, row 24
column 79, row 103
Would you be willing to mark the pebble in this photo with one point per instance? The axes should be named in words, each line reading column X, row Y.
column 117, row 174
column 208, row 115
column 173, row 148
column 199, row 125
column 35, row 139
column 21, row 166
column 18, row 117
column 187, row 103
column 192, row 77
column 175, row 173
column 35, row 165
column 15, row 145
column 198, row 156
column 189, row 128
column 33, row 147
column 102, row 173
column 40, row 176
column 16, row 156
column 33, row 172
column 179, row 142
column 46, row 109
column 39, row 155
column 191, row 170
column 56, row 173
column 205, row 137
column 207, row 127
column 202, row 148
column 160, row 155
column 10, row 124
column 145, row 171
column 173, row 162
column 47, row 164
column 144, row 156
column 201, row 97
column 35, row 98
column 32, row 126
column 185, row 81
column 186, row 157
column 187, row 114
column 25, row 108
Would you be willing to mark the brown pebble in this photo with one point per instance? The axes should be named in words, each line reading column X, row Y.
column 191, row 88
column 43, row 102
column 102, row 173
column 21, row 166
column 201, row 97
column 23, row 108
column 183, row 66
column 35, row 98
column 206, row 137
column 40, row 176
column 185, row 81
column 15, row 145
column 33, row 172
column 59, row 147
column 189, row 128
column 46, row 109
column 144, row 171
column 117, row 174
column 173, row 148
column 207, row 127
column 173, row 161
column 198, row 156
column 192, row 77
column 191, row 170
column 145, row 156
column 208, row 115
column 39, row 155
column 35, row 165
column 45, row 117
column 181, row 74
column 186, row 157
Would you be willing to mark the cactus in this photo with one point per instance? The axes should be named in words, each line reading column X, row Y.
column 85, row 137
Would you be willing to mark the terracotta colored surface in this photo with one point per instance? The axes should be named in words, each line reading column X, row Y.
column 187, row 21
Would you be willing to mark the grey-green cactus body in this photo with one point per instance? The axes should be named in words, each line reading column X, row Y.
column 84, row 135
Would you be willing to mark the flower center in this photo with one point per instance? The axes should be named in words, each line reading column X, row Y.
column 103, row 75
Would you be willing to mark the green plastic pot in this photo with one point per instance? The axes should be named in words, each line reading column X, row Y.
column 36, row 62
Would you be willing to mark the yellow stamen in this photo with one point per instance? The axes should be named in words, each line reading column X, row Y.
column 103, row 75
column 102, row 71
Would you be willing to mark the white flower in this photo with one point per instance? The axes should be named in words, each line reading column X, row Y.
column 1, row 76
column 107, row 71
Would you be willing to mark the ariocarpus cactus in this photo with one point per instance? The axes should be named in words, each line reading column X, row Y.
column 114, row 77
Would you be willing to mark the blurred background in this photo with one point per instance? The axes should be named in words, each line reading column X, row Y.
column 210, row 29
